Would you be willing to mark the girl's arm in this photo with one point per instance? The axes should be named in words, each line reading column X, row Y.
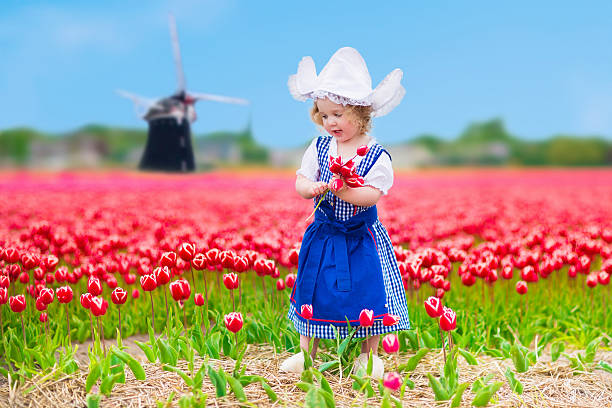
column 309, row 189
column 365, row 196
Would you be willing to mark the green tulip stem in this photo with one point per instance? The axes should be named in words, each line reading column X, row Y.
column 68, row 322
column 23, row 331
column 152, row 312
column 93, row 337
column 1, row 324
column 195, row 286
column 233, row 303
column 119, row 310
column 167, row 312
column 318, row 204
column 442, row 337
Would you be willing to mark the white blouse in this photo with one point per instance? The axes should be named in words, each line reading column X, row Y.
column 380, row 175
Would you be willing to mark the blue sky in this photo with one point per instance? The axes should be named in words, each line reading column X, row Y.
column 544, row 67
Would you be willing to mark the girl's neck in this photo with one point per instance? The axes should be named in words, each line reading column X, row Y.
column 349, row 147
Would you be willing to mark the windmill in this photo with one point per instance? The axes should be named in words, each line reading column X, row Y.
column 169, row 145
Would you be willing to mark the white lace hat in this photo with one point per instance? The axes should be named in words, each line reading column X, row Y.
column 345, row 80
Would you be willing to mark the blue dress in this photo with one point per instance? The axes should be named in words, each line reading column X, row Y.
column 346, row 264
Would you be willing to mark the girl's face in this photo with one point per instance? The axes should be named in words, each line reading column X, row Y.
column 336, row 120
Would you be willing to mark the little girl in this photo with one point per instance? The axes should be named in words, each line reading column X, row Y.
column 346, row 261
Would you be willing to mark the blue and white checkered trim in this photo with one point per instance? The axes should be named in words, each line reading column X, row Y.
column 394, row 288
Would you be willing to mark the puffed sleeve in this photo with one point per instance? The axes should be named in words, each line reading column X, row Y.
column 380, row 175
column 310, row 163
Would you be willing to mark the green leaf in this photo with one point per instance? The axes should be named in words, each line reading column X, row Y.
column 329, row 398
column 429, row 340
column 167, row 353
column 482, row 382
column 328, row 365
column 180, row 372
column 237, row 388
column 471, row 360
column 440, row 392
column 484, row 395
column 591, row 349
column 92, row 377
column 218, row 381
column 413, row 339
column 515, row 385
column 370, row 364
column 414, row 360
column 93, row 401
column 604, row 366
column 149, row 352
column 407, row 383
column 271, row 394
column 556, row 350
column 459, row 394
column 108, row 383
column 313, row 399
column 134, row 365
column 518, row 359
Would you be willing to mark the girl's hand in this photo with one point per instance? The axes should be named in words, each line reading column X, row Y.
column 318, row 188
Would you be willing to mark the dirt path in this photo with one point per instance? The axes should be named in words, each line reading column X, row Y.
column 546, row 384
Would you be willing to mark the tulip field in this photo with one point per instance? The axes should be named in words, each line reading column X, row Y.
column 131, row 289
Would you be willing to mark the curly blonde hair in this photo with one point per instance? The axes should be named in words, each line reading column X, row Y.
column 360, row 115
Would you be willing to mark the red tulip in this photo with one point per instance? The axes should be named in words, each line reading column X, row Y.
column 199, row 262
column 230, row 280
column 199, row 299
column 390, row 320
column 448, row 320
column 233, row 322
column 336, row 184
column 294, row 257
column 390, row 343
column 362, row 150
column 507, row 272
column 11, row 255
column 591, row 280
column 603, row 277
column 366, row 317
column 98, row 306
column 4, row 281
column 226, row 259
column 43, row 318
column 24, row 278
column 135, row 293
column 17, row 303
column 306, row 312
column 290, row 280
column 392, row 381
column 355, row 181
column 64, row 294
column 162, row 275
column 119, row 296
column 148, row 282
column 40, row 304
column 186, row 251
column 168, row 259
column 241, row 263
column 86, row 300
column 433, row 307
column 180, row 290
column 468, row 279
column 47, row 295
column 94, row 286
column 521, row 287
column 50, row 263
column 29, row 261
column 212, row 256
column 3, row 296
column 280, row 284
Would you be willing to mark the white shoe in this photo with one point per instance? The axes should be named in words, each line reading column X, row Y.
column 361, row 362
column 294, row 364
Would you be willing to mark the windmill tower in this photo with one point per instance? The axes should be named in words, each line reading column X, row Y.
column 169, row 146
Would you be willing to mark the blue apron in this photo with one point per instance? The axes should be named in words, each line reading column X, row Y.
column 339, row 270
